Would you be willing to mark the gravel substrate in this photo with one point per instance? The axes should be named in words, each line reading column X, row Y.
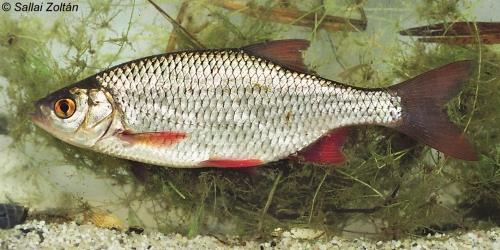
column 39, row 235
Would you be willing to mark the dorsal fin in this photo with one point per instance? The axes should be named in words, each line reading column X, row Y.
column 287, row 53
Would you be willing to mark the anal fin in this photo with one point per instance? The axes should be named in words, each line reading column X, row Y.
column 327, row 149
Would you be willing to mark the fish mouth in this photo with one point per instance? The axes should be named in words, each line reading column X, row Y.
column 37, row 116
column 39, row 120
column 36, row 119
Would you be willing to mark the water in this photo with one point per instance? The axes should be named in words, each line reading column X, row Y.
column 384, row 191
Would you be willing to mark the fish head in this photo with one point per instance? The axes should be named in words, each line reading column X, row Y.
column 79, row 116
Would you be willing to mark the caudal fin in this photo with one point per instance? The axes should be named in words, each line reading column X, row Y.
column 424, row 118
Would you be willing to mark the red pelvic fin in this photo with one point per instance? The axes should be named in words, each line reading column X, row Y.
column 164, row 138
column 327, row 149
column 423, row 99
column 287, row 53
column 231, row 163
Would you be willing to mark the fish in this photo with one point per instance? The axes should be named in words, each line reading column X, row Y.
column 244, row 107
column 457, row 33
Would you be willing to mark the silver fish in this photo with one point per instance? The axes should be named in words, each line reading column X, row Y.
column 242, row 107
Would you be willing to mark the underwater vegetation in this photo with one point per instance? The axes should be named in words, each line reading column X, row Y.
column 390, row 187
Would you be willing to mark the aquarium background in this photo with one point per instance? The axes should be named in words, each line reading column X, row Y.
column 390, row 187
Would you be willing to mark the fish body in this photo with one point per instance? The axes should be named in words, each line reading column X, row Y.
column 232, row 108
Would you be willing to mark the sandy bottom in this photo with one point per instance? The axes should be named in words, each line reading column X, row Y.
column 38, row 234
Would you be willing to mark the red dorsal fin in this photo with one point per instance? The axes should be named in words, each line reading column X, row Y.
column 327, row 149
column 231, row 163
column 164, row 138
column 287, row 53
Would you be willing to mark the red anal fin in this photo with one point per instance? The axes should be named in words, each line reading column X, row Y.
column 327, row 149
column 287, row 53
column 164, row 138
column 231, row 163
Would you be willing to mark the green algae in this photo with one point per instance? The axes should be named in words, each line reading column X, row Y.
column 391, row 185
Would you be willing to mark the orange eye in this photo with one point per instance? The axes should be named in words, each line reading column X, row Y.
column 64, row 108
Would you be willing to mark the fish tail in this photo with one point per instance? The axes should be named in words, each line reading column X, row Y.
column 424, row 118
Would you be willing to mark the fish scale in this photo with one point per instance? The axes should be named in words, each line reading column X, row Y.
column 226, row 100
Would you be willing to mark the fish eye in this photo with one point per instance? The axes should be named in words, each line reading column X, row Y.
column 64, row 108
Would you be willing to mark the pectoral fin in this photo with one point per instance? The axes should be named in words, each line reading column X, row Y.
column 164, row 138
